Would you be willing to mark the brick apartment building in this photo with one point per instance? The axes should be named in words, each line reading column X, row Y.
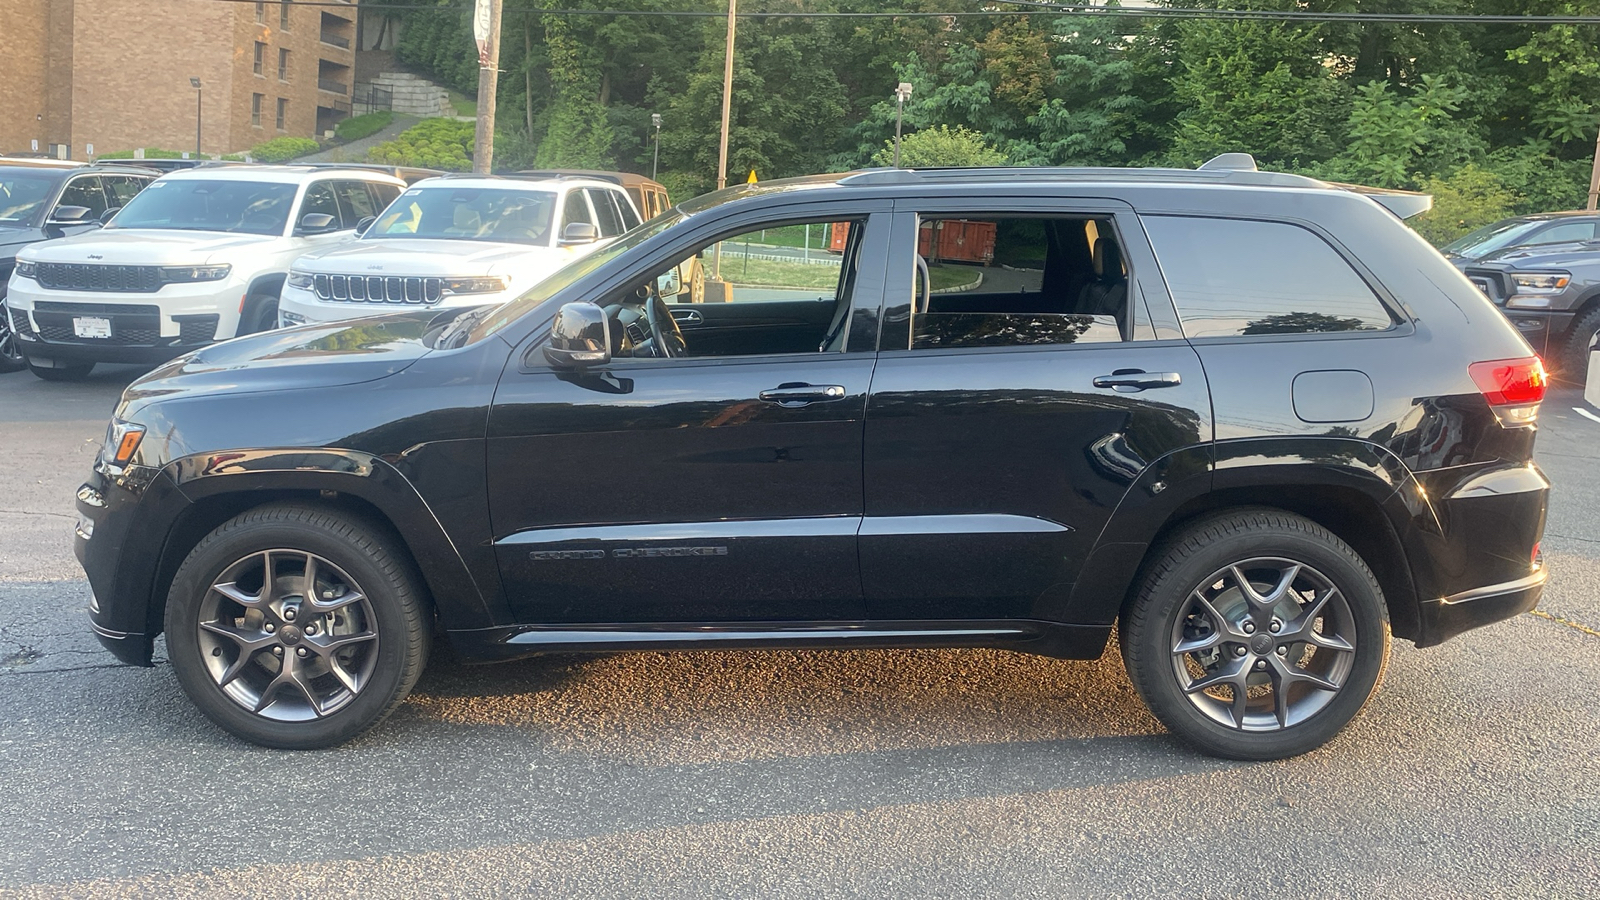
column 115, row 74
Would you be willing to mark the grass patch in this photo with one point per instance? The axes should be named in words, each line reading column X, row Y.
column 776, row 273
column 366, row 125
column 953, row 276
column 463, row 105
column 793, row 236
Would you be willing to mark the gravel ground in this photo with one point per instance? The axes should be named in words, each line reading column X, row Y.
column 958, row 773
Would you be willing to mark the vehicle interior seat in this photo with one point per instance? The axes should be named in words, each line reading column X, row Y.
column 1108, row 292
column 465, row 220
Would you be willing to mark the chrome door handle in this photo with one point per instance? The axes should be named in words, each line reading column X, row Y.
column 1128, row 381
column 800, row 394
column 688, row 316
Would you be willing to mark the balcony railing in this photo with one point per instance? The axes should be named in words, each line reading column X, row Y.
column 335, row 40
column 335, row 87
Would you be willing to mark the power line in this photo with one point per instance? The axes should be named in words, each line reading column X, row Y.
column 1035, row 7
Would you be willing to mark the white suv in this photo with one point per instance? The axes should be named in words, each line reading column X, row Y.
column 457, row 240
column 200, row 255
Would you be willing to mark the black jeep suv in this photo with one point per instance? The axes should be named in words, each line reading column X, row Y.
column 1249, row 418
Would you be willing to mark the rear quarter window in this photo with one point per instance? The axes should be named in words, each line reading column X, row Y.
column 1235, row 277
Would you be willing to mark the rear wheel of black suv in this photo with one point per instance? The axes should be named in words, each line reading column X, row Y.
column 1257, row 634
column 295, row 627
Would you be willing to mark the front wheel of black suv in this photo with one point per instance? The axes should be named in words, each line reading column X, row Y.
column 1256, row 634
column 296, row 627
column 1581, row 341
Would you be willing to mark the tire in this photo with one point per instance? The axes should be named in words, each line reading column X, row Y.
column 10, row 354
column 697, row 283
column 1574, row 357
column 261, row 314
column 1288, row 707
column 260, row 664
column 77, row 372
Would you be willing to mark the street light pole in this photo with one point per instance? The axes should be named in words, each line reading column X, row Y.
column 727, row 99
column 655, row 161
column 198, row 94
column 902, row 93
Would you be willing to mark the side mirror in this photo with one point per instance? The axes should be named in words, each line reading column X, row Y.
column 579, row 233
column 669, row 284
column 72, row 215
column 364, row 224
column 580, row 336
column 315, row 224
column 106, row 216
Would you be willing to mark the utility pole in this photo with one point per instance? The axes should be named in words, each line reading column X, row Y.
column 655, row 161
column 727, row 100
column 486, row 29
column 1594, row 176
column 198, row 94
column 901, row 95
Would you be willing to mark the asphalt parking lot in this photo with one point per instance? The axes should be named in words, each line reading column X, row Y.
column 1474, row 772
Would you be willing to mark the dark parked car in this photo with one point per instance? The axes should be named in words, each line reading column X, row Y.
column 1249, row 418
column 44, row 200
column 1551, row 293
column 1522, row 231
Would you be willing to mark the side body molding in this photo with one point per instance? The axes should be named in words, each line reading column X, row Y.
column 463, row 599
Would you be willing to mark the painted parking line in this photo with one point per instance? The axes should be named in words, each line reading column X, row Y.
column 1586, row 414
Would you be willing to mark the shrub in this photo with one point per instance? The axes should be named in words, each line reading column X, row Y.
column 365, row 125
column 282, row 149
column 431, row 143
column 1470, row 198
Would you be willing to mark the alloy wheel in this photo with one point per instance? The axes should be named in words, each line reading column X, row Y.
column 1263, row 644
column 288, row 635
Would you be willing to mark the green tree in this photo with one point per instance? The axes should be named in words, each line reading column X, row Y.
column 941, row 146
column 1470, row 198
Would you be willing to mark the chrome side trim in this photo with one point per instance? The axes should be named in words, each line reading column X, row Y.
column 829, row 526
column 1495, row 590
column 995, row 523
column 837, row 526
column 687, row 634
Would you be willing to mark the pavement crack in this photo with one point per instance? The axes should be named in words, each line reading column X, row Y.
column 35, row 512
column 1571, row 537
column 1563, row 620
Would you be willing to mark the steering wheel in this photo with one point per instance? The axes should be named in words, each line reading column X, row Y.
column 665, row 334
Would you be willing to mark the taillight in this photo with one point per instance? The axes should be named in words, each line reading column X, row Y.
column 1513, row 387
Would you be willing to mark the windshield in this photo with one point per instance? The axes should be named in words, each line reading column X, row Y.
column 247, row 207
column 21, row 196
column 1490, row 238
column 571, row 272
column 468, row 214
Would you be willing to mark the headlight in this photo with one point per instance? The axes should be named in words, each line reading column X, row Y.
column 477, row 284
column 1541, row 282
column 188, row 274
column 299, row 279
column 26, row 269
column 122, row 441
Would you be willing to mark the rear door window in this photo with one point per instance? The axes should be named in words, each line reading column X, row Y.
column 630, row 219
column 355, row 201
column 1236, row 277
column 122, row 188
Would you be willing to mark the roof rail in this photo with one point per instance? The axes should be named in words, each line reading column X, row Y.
column 1230, row 162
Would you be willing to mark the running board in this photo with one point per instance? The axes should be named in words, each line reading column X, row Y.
column 1046, row 638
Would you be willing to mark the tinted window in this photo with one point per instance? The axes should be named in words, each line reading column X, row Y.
column 203, row 205
column 610, row 223
column 84, row 192
column 630, row 219
column 354, row 200
column 1009, row 281
column 122, row 188
column 1234, row 277
column 576, row 210
column 385, row 194
column 320, row 199
column 1567, row 231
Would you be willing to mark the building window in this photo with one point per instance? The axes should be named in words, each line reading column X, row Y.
column 261, row 14
column 283, row 64
column 283, row 15
column 261, row 56
column 255, row 110
column 283, row 112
